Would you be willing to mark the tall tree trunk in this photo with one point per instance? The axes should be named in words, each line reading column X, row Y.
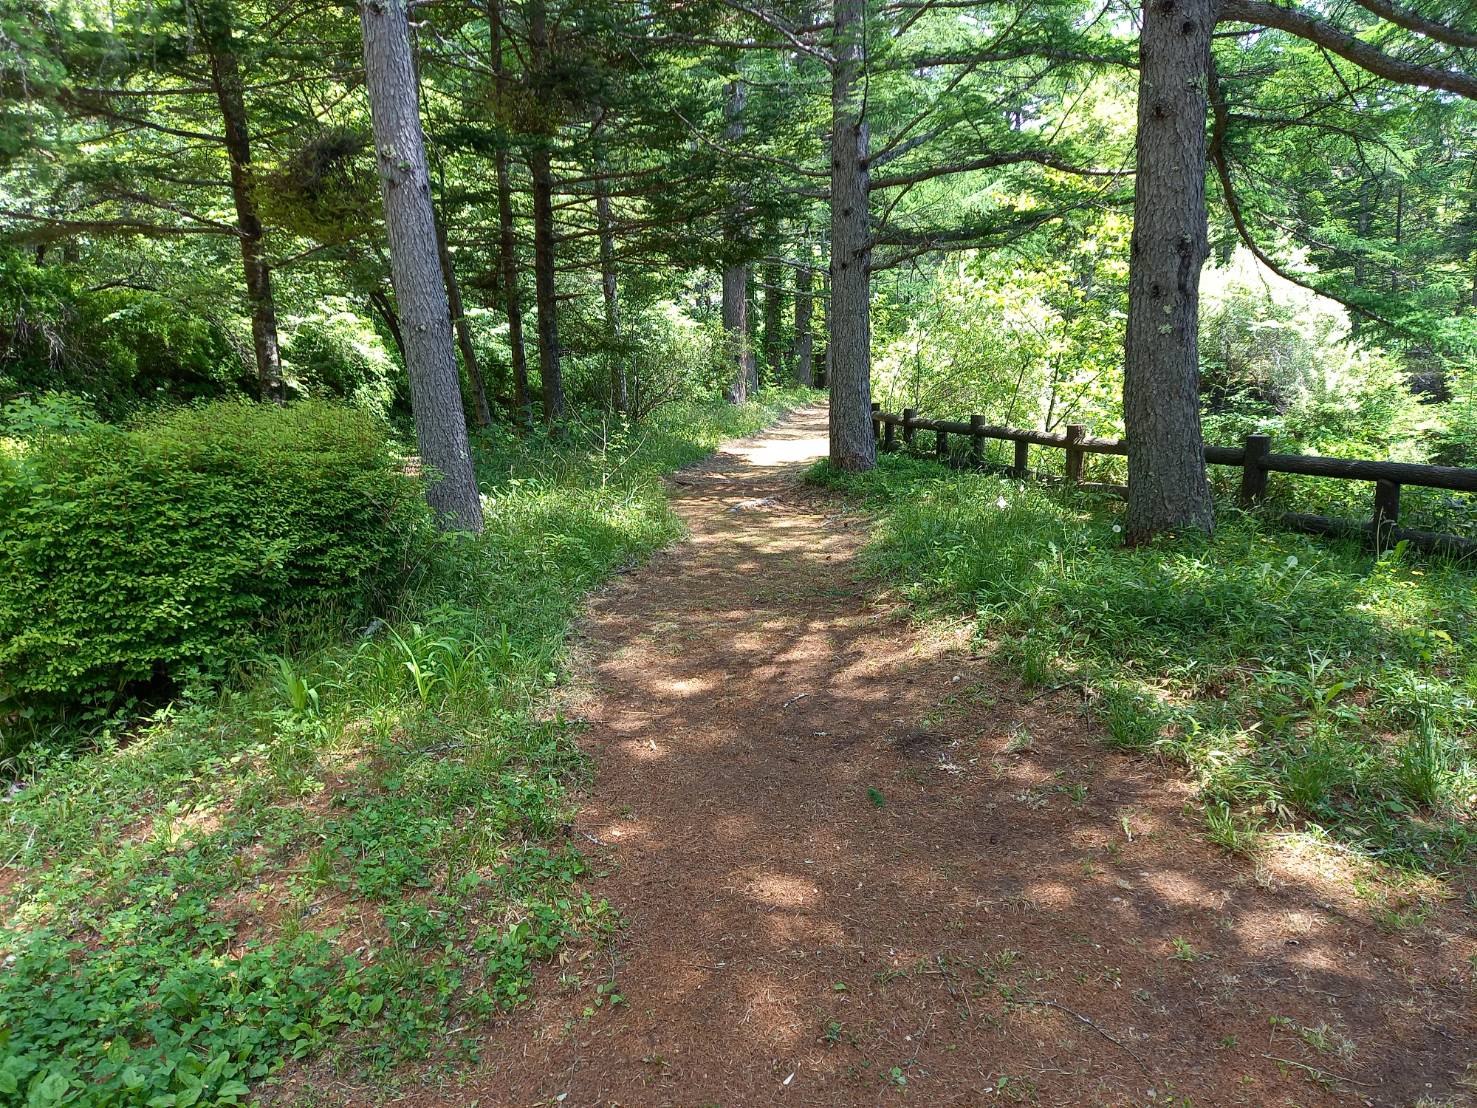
column 736, row 332
column 853, row 447
column 545, row 296
column 420, row 291
column 1167, row 486
column 804, row 308
column 507, row 243
column 736, row 277
column 1399, row 239
column 482, row 411
column 213, row 22
column 507, row 247
column 619, row 401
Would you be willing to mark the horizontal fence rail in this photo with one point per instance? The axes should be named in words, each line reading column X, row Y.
column 1254, row 457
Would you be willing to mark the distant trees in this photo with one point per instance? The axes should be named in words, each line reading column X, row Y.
column 748, row 161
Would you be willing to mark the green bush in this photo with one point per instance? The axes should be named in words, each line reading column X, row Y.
column 126, row 350
column 138, row 555
column 336, row 355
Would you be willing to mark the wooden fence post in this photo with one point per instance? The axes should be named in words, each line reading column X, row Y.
column 909, row 431
column 977, row 440
column 1253, row 472
column 1386, row 512
column 1076, row 432
column 941, row 445
column 1022, row 459
column 889, row 435
column 876, row 427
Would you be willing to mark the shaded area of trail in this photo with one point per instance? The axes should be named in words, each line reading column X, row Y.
column 858, row 861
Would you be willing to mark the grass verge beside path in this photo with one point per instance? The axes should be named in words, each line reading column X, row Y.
column 1305, row 683
column 355, row 849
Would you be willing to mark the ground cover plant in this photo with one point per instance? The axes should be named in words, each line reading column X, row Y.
column 1302, row 682
column 353, row 848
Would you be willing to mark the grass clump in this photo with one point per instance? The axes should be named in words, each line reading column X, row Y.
column 1305, row 682
column 356, row 845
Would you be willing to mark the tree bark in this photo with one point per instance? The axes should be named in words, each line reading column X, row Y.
column 852, row 446
column 420, row 291
column 1167, row 485
column 507, row 247
column 804, row 309
column 736, row 332
column 736, row 277
column 545, row 296
column 225, row 78
column 507, row 242
column 482, row 411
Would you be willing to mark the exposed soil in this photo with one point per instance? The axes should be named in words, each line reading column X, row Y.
column 859, row 864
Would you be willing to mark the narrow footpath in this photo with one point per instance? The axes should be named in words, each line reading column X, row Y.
column 858, row 863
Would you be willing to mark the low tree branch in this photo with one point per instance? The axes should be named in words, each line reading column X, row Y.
column 1363, row 54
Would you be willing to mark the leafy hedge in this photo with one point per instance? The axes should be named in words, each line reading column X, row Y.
column 139, row 554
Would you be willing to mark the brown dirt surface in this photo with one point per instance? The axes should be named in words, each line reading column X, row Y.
column 860, row 864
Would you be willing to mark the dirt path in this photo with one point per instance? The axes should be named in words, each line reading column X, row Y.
column 859, row 863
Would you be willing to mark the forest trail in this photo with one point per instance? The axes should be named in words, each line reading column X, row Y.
column 856, row 861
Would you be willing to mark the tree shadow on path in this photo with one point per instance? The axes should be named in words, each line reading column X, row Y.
column 859, row 864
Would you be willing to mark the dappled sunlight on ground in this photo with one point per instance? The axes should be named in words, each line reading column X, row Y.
column 856, row 860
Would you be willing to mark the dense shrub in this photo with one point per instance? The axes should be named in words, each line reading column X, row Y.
column 1454, row 441
column 126, row 349
column 336, row 355
column 137, row 555
column 668, row 357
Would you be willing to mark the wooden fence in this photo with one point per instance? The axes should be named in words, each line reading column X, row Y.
column 1254, row 457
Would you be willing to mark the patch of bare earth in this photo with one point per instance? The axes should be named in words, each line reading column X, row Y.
column 859, row 863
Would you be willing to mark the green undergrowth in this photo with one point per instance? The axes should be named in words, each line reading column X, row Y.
column 355, row 850
column 1305, row 683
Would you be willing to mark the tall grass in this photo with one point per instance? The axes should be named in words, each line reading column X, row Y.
column 1304, row 682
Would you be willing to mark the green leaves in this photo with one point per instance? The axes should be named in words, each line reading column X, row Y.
column 141, row 554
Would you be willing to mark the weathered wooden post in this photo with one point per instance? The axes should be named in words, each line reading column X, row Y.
column 1076, row 432
column 977, row 440
column 889, row 435
column 941, row 445
column 1254, row 470
column 876, row 427
column 1022, row 459
column 1386, row 513
column 909, row 431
